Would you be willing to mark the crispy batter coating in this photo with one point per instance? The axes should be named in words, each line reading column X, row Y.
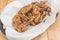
column 32, row 14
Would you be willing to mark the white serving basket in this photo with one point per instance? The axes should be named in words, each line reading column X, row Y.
column 12, row 9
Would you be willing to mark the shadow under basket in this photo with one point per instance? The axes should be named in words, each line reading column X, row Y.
column 1, row 27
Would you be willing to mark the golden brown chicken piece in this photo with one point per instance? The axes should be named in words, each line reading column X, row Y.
column 32, row 14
